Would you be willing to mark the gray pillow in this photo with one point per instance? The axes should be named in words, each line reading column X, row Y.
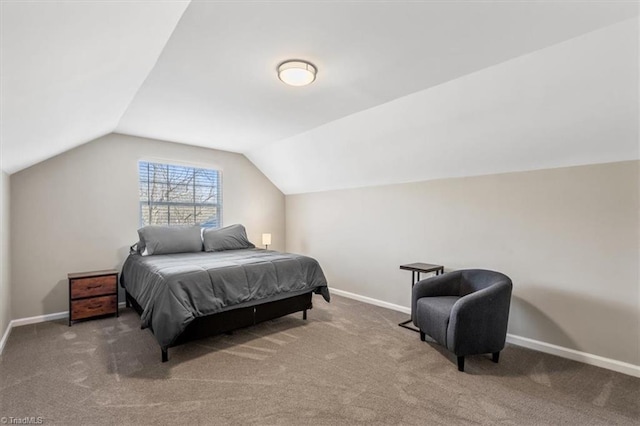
column 232, row 237
column 169, row 239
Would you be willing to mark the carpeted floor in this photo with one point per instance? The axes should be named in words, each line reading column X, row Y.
column 349, row 363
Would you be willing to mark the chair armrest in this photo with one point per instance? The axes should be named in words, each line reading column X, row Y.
column 440, row 285
column 481, row 316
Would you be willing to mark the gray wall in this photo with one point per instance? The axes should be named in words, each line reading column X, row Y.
column 568, row 238
column 5, row 306
column 79, row 211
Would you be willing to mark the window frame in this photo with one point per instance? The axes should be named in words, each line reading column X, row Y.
column 218, row 204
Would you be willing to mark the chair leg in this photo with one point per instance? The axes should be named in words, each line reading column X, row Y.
column 460, row 363
column 422, row 336
column 496, row 357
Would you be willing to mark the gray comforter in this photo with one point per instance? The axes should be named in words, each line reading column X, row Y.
column 173, row 289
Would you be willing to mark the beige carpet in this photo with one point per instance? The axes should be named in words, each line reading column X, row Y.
column 349, row 363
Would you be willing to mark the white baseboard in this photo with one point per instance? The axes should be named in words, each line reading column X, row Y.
column 561, row 351
column 575, row 355
column 5, row 337
column 38, row 319
column 35, row 320
column 371, row 301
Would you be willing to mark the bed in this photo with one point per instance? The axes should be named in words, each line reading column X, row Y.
column 185, row 296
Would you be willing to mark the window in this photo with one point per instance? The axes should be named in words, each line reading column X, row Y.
column 179, row 195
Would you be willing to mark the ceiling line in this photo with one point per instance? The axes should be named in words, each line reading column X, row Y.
column 154, row 65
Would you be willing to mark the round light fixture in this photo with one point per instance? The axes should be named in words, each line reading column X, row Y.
column 296, row 73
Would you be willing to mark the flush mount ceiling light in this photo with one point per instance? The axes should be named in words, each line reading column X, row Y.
column 296, row 73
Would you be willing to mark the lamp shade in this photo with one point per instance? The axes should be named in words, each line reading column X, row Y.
column 266, row 239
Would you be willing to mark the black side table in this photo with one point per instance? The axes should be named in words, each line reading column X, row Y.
column 418, row 268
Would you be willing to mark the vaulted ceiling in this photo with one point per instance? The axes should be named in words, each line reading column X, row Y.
column 69, row 70
column 203, row 73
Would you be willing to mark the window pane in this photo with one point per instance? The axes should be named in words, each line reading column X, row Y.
column 206, row 177
column 144, row 196
column 144, row 214
column 159, row 215
column 157, row 172
column 158, row 192
column 179, row 195
column 206, row 195
column 207, row 216
column 181, row 215
column 178, row 174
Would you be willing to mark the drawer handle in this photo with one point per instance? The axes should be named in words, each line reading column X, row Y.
column 94, row 306
column 94, row 286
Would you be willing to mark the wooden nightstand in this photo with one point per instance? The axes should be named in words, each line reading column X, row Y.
column 92, row 294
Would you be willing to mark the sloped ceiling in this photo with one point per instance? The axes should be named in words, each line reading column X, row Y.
column 215, row 83
column 72, row 78
column 70, row 69
column 570, row 104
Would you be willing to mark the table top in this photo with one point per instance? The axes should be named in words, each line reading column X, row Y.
column 421, row 267
column 89, row 274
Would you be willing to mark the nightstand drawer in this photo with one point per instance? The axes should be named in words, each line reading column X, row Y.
column 94, row 306
column 94, row 286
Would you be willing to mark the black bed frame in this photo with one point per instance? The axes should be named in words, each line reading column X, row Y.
column 227, row 321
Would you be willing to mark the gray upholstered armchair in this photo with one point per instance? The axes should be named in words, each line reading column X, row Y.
column 465, row 311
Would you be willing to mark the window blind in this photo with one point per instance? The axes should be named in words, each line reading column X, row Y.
column 179, row 195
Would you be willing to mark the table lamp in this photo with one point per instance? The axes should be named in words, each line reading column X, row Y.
column 266, row 240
